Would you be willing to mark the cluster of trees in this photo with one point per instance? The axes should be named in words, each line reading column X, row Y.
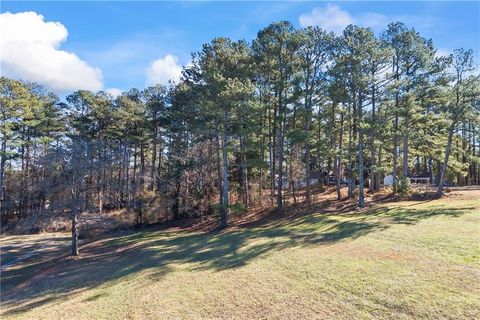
column 248, row 121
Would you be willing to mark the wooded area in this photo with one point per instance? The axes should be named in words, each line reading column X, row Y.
column 248, row 122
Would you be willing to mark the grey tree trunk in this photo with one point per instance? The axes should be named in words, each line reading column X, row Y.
column 154, row 156
column 100, row 200
column 430, row 169
column 308, row 121
column 474, row 165
column 379, row 165
column 405, row 150
column 281, row 149
column 2, row 168
column 361, row 196
column 307, row 175
column 395, row 129
column 280, row 166
column 219, row 173
column 339, row 159
column 126, row 165
column 439, row 171
column 443, row 171
column 159, row 166
column 373, row 184
column 224, row 212
column 271, row 155
column 74, row 213
column 395, row 154
column 350, row 160
column 142, row 166
column 134, row 171
column 245, row 183
column 244, row 174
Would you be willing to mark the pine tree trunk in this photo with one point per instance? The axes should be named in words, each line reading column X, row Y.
column 280, row 166
column 224, row 212
column 2, row 167
column 350, row 160
column 281, row 150
column 395, row 154
column 430, row 169
column 127, row 173
column 405, row 150
column 445, row 161
column 134, row 173
column 439, row 171
column 474, row 165
column 379, row 165
column 142, row 166
column 159, row 166
column 244, row 173
column 26, row 177
column 334, row 142
column 154, row 161
column 74, row 213
column 308, row 121
column 219, row 172
column 100, row 200
column 395, row 128
column 361, row 196
column 373, row 185
column 271, row 152
column 339, row 159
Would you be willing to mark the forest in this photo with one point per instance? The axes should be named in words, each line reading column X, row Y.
column 249, row 123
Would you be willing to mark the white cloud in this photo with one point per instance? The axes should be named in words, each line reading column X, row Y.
column 373, row 20
column 30, row 51
column 115, row 92
column 164, row 69
column 331, row 18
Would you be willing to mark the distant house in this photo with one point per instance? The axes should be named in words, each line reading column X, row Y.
column 421, row 178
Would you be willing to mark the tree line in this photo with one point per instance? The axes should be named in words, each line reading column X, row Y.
column 248, row 122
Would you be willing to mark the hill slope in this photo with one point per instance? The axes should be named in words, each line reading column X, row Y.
column 403, row 260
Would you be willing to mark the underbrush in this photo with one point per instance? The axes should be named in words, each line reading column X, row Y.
column 148, row 210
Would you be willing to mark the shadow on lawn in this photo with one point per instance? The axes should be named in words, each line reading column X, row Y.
column 19, row 261
column 121, row 258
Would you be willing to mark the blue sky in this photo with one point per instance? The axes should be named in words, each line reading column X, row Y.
column 132, row 44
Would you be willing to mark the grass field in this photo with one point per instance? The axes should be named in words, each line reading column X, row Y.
column 401, row 260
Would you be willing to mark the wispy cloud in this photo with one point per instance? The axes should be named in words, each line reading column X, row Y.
column 332, row 17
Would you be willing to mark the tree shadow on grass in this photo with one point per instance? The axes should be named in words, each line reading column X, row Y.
column 406, row 215
column 153, row 252
column 21, row 261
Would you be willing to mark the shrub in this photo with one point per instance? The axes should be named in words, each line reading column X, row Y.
column 403, row 185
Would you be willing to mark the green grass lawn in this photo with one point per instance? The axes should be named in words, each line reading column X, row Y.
column 404, row 260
